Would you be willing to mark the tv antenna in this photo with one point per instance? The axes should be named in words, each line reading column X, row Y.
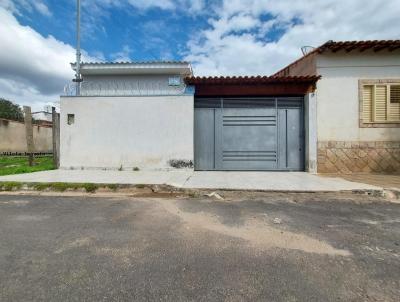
column 307, row 49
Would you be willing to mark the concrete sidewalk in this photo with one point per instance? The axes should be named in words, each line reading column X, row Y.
column 266, row 181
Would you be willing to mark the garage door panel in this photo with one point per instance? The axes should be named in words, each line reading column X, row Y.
column 248, row 138
column 252, row 134
column 204, row 138
column 290, row 139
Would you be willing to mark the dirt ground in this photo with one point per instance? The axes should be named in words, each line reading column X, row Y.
column 247, row 246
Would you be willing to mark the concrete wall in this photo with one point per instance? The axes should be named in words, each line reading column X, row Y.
column 13, row 139
column 337, row 94
column 310, row 124
column 110, row 132
column 114, row 85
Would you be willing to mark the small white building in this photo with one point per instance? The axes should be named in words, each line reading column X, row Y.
column 337, row 109
column 128, row 115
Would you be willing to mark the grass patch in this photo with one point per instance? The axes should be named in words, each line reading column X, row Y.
column 19, row 164
column 10, row 186
column 63, row 186
column 193, row 194
column 41, row 186
column 90, row 188
column 52, row 186
column 113, row 187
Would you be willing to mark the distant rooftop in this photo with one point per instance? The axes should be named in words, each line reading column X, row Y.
column 144, row 67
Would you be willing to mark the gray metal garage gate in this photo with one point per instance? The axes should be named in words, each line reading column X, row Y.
column 249, row 134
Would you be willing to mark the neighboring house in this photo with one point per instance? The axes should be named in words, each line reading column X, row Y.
column 339, row 102
column 43, row 117
column 128, row 115
column 358, row 104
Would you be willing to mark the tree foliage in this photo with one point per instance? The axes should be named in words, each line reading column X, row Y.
column 10, row 111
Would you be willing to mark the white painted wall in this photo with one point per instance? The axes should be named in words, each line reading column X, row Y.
column 115, row 85
column 310, row 118
column 337, row 94
column 108, row 132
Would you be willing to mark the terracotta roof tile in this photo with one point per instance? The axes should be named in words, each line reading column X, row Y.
column 348, row 46
column 256, row 80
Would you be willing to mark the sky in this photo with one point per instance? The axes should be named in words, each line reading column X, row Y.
column 219, row 37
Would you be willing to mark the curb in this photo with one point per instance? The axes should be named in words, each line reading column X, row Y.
column 14, row 187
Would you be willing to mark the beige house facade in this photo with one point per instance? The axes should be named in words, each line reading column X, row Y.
column 358, row 104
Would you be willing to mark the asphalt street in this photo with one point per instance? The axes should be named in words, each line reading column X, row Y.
column 247, row 247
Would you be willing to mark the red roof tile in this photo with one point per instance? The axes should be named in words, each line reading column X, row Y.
column 250, row 80
column 348, row 46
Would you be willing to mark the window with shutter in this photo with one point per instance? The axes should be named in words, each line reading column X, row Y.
column 381, row 103
column 367, row 103
column 394, row 103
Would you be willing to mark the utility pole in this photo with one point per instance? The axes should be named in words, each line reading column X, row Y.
column 78, row 78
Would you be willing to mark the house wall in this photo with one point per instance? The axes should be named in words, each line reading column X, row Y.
column 310, row 124
column 13, row 137
column 110, row 132
column 114, row 85
column 343, row 146
column 303, row 67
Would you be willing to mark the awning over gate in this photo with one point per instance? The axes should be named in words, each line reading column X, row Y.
column 253, row 86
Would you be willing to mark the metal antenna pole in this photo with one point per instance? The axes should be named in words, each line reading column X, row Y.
column 78, row 78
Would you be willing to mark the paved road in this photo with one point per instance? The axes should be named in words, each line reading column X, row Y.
column 248, row 247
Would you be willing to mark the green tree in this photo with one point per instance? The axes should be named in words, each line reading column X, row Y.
column 10, row 111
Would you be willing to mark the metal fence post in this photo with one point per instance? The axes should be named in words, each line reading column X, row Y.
column 29, row 133
column 56, row 137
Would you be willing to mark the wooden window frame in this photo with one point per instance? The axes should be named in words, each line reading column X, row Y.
column 386, row 124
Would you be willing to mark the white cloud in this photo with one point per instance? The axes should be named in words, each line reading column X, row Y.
column 123, row 55
column 188, row 6
column 163, row 4
column 238, row 40
column 8, row 5
column 191, row 6
column 33, row 69
column 42, row 8
column 15, row 6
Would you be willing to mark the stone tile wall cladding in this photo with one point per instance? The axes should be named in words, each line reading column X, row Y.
column 351, row 157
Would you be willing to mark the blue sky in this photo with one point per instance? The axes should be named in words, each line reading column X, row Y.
column 219, row 37
column 110, row 32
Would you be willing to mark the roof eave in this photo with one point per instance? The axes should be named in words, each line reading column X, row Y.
column 127, row 68
column 252, row 80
